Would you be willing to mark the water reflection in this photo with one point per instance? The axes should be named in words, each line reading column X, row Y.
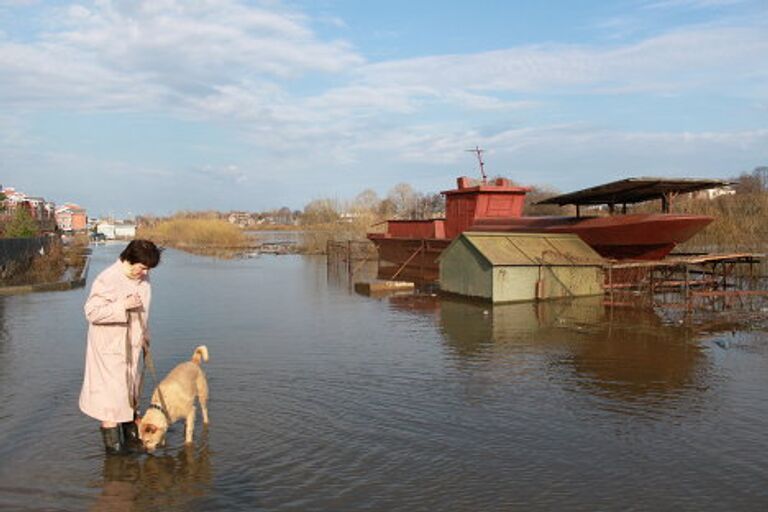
column 4, row 347
column 164, row 482
column 473, row 329
column 3, row 332
column 619, row 353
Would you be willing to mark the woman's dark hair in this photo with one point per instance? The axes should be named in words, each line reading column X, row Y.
column 141, row 251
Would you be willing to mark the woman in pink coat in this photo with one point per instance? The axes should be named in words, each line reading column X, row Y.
column 117, row 310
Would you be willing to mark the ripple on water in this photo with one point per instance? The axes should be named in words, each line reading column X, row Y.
column 325, row 400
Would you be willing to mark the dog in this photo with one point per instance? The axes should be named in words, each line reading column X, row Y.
column 174, row 399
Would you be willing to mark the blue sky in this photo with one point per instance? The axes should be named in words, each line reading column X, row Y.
column 166, row 105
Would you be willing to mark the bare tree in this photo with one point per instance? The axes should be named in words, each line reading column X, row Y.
column 429, row 206
column 321, row 211
column 366, row 201
column 748, row 183
column 540, row 194
column 404, row 199
column 284, row 215
column 387, row 208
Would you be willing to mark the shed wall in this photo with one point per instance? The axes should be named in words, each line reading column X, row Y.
column 571, row 281
column 521, row 283
column 514, row 283
column 465, row 272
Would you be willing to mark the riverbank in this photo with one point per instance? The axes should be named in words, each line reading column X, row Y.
column 69, row 284
column 62, row 267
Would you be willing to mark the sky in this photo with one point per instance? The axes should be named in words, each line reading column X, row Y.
column 152, row 107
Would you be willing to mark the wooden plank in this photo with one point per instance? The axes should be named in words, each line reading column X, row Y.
column 728, row 293
column 377, row 287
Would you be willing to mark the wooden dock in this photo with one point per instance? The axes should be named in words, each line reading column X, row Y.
column 694, row 276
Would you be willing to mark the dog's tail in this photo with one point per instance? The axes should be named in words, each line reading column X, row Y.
column 200, row 354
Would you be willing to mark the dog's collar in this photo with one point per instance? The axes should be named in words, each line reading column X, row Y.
column 158, row 407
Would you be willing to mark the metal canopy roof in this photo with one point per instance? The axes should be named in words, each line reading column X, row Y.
column 634, row 190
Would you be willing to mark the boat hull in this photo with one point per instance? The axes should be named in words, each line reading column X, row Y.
column 620, row 237
column 636, row 236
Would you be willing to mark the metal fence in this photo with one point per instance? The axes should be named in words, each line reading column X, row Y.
column 18, row 250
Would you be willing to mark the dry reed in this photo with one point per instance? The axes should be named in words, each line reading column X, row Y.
column 199, row 235
column 316, row 236
column 741, row 222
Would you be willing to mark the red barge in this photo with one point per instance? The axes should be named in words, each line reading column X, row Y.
column 409, row 248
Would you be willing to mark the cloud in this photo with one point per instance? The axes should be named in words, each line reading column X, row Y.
column 305, row 105
column 227, row 173
column 149, row 54
column 200, row 37
column 675, row 61
column 231, row 61
column 566, row 142
column 189, row 55
column 690, row 4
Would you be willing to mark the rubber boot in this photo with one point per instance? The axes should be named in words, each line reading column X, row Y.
column 131, row 440
column 112, row 442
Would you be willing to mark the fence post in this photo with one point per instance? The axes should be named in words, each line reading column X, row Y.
column 349, row 258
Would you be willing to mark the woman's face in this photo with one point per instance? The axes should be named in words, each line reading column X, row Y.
column 135, row 270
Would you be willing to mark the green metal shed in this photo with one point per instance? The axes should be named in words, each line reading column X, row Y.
column 514, row 267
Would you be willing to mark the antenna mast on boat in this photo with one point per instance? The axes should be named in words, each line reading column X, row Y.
column 479, row 152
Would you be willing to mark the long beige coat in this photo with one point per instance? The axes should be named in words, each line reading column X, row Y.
column 108, row 373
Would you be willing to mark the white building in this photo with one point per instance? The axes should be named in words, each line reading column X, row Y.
column 107, row 229
column 117, row 230
column 125, row 231
column 712, row 193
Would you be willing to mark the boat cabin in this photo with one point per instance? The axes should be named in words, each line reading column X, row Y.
column 498, row 199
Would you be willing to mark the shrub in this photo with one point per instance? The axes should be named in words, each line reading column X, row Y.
column 21, row 225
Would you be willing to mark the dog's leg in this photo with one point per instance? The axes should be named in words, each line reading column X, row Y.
column 202, row 396
column 204, row 408
column 189, row 427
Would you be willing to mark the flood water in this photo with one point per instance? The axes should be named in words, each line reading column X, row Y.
column 322, row 399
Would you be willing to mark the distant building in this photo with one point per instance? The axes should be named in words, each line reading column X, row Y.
column 71, row 218
column 242, row 219
column 116, row 230
column 107, row 229
column 349, row 216
column 12, row 196
column 125, row 231
column 712, row 193
column 37, row 207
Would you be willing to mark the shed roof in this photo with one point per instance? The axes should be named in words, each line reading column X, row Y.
column 526, row 249
column 634, row 190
